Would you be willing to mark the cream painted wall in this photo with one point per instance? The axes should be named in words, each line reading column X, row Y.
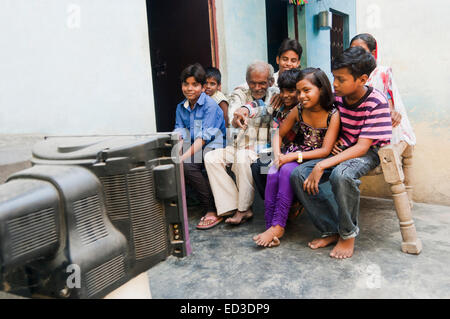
column 75, row 67
column 241, row 28
column 413, row 40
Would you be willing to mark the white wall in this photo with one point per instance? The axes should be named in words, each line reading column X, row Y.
column 242, row 35
column 413, row 40
column 75, row 67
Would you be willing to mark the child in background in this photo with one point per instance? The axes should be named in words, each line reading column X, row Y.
column 366, row 126
column 213, row 87
column 318, row 128
column 288, row 58
column 382, row 79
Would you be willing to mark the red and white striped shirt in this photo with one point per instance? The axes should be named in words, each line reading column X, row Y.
column 368, row 118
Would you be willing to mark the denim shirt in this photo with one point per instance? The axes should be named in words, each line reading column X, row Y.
column 205, row 121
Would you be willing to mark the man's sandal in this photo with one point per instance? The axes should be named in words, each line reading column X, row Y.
column 206, row 224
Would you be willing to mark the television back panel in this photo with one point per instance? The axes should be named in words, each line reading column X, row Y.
column 87, row 240
column 143, row 188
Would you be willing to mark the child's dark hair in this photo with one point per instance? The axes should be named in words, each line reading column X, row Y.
column 288, row 79
column 214, row 73
column 368, row 39
column 290, row 44
column 318, row 78
column 357, row 60
column 195, row 70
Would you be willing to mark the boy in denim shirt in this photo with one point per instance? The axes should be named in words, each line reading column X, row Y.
column 201, row 123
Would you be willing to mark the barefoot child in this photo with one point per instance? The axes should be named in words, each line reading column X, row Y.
column 213, row 88
column 366, row 126
column 318, row 128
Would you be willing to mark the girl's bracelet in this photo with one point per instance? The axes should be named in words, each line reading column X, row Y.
column 299, row 157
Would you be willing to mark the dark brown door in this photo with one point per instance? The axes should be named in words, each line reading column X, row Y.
column 179, row 34
column 337, row 36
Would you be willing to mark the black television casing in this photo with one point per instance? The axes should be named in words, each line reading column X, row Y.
column 122, row 205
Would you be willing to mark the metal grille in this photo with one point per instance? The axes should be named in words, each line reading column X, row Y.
column 147, row 215
column 116, row 196
column 337, row 36
column 104, row 275
column 31, row 232
column 89, row 220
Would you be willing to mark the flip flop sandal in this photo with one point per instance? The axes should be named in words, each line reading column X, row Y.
column 204, row 219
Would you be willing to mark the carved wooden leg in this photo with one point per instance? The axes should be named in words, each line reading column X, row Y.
column 393, row 174
column 407, row 170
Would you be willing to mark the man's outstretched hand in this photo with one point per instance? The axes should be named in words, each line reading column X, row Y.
column 240, row 118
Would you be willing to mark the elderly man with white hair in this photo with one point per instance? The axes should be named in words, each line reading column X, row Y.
column 251, row 115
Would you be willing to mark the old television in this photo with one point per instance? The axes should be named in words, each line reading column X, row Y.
column 113, row 206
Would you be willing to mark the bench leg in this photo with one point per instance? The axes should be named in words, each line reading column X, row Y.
column 407, row 170
column 393, row 174
column 410, row 243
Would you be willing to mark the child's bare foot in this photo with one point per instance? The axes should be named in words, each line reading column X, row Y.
column 270, row 238
column 323, row 242
column 239, row 217
column 343, row 249
column 275, row 242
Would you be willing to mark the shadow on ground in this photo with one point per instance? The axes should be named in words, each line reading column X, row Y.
column 226, row 263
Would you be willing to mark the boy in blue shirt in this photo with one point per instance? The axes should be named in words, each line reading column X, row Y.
column 200, row 122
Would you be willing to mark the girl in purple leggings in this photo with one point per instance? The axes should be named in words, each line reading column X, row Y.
column 318, row 122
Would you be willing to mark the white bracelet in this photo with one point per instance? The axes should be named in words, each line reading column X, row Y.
column 300, row 157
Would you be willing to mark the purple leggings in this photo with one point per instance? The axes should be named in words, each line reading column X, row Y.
column 278, row 195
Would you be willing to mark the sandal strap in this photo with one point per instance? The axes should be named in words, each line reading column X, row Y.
column 204, row 219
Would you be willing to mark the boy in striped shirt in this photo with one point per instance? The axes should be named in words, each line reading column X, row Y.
column 329, row 188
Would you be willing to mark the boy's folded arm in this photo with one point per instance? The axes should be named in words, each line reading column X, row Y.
column 357, row 150
column 210, row 127
column 184, row 132
column 208, row 133
column 194, row 148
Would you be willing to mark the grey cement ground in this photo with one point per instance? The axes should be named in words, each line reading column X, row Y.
column 15, row 153
column 226, row 263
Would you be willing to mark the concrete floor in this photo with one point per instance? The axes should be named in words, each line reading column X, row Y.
column 226, row 263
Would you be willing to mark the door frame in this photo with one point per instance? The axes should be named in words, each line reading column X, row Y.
column 213, row 34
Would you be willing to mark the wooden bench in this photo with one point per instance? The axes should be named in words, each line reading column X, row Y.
column 396, row 166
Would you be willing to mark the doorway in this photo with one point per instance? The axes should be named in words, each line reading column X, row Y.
column 277, row 28
column 179, row 34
